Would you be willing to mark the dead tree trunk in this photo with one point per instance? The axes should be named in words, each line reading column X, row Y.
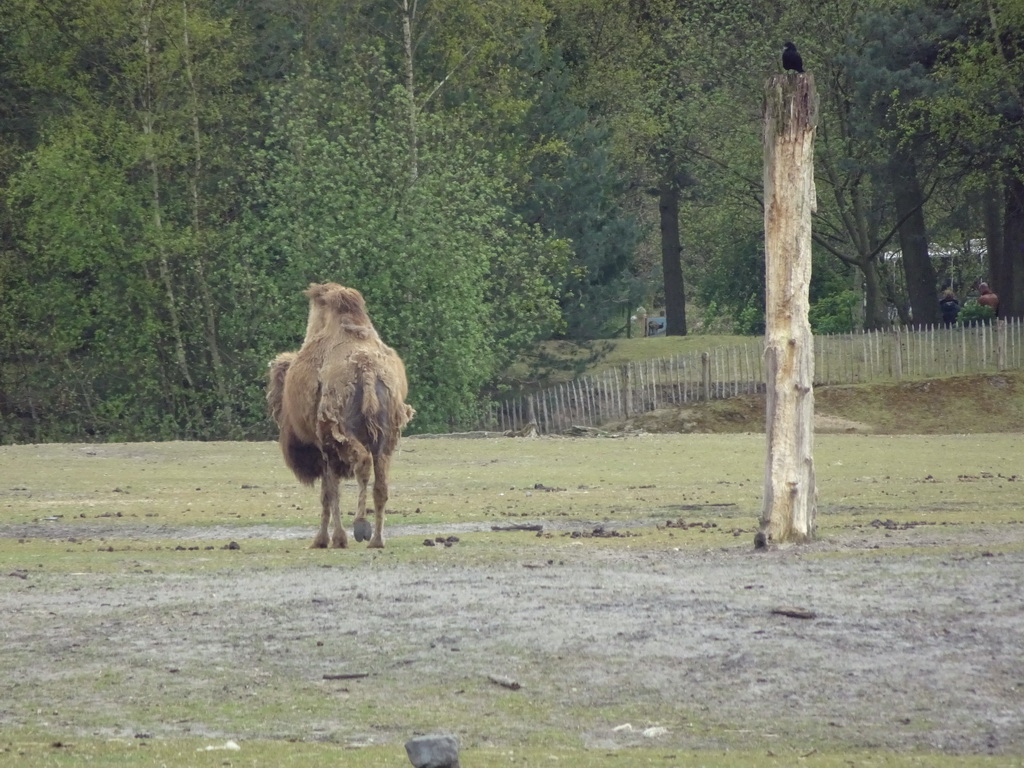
column 790, row 494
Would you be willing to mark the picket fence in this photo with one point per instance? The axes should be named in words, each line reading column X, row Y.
column 871, row 356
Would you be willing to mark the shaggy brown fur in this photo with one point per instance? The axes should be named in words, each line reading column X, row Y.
column 340, row 405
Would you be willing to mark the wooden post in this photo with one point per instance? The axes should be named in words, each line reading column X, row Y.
column 627, row 388
column 1000, row 344
column 790, row 493
column 620, row 398
column 897, row 366
column 705, row 376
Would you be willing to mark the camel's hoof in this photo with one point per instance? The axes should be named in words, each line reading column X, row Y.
column 375, row 544
column 363, row 529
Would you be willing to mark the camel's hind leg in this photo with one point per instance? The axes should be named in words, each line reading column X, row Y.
column 381, row 463
column 329, row 492
column 362, row 528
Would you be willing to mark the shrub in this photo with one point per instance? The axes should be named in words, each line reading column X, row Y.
column 974, row 313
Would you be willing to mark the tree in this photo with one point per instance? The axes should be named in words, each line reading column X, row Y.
column 877, row 167
column 504, row 63
column 573, row 189
column 67, row 271
column 980, row 114
column 131, row 92
column 644, row 65
column 854, row 222
column 893, row 72
column 454, row 282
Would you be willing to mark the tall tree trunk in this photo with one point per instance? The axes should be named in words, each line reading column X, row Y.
column 408, row 17
column 148, row 118
column 875, row 315
column 992, row 214
column 1008, row 266
column 671, row 257
column 1009, row 282
column 790, row 491
column 918, row 270
column 197, row 238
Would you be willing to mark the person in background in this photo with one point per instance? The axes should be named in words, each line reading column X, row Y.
column 988, row 299
column 949, row 307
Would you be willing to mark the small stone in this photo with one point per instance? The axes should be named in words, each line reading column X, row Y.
column 438, row 751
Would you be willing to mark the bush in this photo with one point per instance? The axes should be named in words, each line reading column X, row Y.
column 834, row 313
column 974, row 313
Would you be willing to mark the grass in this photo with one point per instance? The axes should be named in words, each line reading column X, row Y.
column 40, row 750
column 116, row 499
column 222, row 491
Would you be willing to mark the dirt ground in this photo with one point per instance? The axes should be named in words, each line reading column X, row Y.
column 898, row 638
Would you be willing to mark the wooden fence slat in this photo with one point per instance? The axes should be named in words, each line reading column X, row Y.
column 720, row 374
column 673, row 380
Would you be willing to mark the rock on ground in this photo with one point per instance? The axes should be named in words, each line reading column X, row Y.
column 439, row 751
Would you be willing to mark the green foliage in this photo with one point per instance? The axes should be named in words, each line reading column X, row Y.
column 113, row 327
column 82, row 245
column 973, row 313
column 452, row 279
column 172, row 175
column 834, row 313
column 751, row 320
column 574, row 192
column 134, row 316
column 732, row 281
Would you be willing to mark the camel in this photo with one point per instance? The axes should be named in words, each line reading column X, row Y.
column 339, row 403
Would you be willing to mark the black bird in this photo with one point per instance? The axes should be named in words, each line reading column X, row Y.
column 791, row 58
